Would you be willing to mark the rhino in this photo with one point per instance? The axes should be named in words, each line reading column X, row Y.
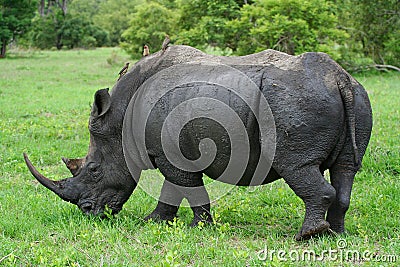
column 308, row 115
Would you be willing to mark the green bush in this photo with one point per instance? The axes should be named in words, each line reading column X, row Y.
column 44, row 33
column 351, row 32
column 66, row 31
column 113, row 16
column 148, row 26
column 203, row 22
column 291, row 26
column 392, row 48
column 100, row 36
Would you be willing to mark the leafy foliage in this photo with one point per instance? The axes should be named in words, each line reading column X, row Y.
column 149, row 25
column 355, row 33
column 374, row 29
column 291, row 26
column 58, row 26
column 58, row 30
column 203, row 22
column 114, row 16
column 79, row 32
column 15, row 17
column 378, row 24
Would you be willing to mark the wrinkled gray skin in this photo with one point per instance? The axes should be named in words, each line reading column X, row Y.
column 323, row 121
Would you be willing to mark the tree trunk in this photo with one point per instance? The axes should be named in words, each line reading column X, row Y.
column 59, row 43
column 63, row 6
column 3, row 49
column 49, row 5
column 41, row 7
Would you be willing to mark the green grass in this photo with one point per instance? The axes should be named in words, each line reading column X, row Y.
column 44, row 108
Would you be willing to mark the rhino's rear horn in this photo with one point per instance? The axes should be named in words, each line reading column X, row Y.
column 63, row 188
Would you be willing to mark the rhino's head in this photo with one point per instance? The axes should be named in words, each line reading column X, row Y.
column 101, row 178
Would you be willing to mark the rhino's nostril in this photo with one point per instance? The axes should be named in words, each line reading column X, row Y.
column 86, row 207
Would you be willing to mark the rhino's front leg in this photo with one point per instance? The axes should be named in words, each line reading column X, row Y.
column 200, row 204
column 181, row 184
column 168, row 203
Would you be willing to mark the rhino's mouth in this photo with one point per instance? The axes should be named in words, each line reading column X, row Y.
column 89, row 207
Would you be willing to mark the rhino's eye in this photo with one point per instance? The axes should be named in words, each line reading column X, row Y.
column 94, row 168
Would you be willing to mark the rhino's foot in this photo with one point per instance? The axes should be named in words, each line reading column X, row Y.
column 163, row 212
column 338, row 229
column 159, row 217
column 311, row 229
column 317, row 194
column 201, row 214
column 336, row 219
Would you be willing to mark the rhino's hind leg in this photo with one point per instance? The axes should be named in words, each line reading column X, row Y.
column 309, row 184
column 168, row 203
column 342, row 180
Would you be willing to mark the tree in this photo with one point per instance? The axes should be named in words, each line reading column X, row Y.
column 70, row 31
column 55, row 27
column 378, row 29
column 45, row 31
column 85, row 8
column 15, row 18
column 291, row 26
column 47, row 6
column 149, row 25
column 203, row 22
column 374, row 29
column 114, row 19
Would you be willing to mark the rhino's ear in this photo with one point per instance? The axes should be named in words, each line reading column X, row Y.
column 102, row 103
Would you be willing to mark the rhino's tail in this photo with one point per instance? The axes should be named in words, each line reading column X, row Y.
column 347, row 92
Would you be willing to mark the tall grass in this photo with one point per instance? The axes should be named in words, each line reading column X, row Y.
column 44, row 109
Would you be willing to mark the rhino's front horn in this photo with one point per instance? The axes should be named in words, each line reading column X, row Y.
column 64, row 188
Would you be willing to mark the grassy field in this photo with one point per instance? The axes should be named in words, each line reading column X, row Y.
column 44, row 108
